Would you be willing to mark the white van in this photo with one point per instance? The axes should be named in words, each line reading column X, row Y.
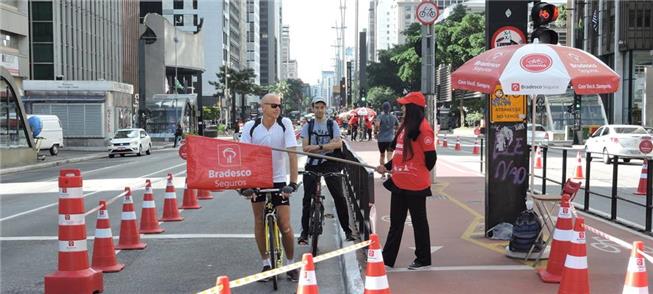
column 51, row 134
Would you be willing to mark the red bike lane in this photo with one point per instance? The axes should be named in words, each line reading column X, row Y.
column 464, row 261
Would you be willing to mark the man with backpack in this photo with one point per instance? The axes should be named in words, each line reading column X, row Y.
column 322, row 136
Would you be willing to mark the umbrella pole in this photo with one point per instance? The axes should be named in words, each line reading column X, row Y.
column 529, row 201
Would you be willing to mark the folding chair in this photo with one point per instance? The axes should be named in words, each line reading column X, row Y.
column 545, row 206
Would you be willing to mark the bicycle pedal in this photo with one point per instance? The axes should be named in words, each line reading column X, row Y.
column 328, row 215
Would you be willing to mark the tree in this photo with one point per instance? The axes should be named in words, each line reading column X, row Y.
column 405, row 55
column 384, row 73
column 294, row 100
column 238, row 82
column 377, row 95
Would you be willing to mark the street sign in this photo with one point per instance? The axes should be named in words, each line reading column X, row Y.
column 427, row 12
column 182, row 151
column 477, row 131
column 506, row 36
column 646, row 146
column 507, row 108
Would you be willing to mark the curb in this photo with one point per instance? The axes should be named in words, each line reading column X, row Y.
column 351, row 271
column 5, row 171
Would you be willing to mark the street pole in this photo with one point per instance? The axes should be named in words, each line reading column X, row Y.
column 355, row 81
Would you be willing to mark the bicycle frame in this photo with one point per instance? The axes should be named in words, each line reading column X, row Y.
column 273, row 245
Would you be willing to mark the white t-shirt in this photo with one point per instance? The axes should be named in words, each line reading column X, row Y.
column 272, row 137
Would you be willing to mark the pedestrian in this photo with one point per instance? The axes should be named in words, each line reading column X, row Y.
column 178, row 134
column 410, row 181
column 368, row 127
column 353, row 125
column 322, row 136
column 386, row 123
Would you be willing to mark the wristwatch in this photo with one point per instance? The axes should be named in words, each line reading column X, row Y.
column 321, row 147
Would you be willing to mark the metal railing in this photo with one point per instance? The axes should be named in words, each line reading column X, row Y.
column 614, row 196
column 359, row 185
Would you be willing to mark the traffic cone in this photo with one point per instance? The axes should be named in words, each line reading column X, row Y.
column 223, row 285
column 73, row 274
column 170, row 210
column 560, row 244
column 641, row 189
column 477, row 149
column 579, row 167
column 376, row 282
column 458, row 147
column 307, row 280
column 445, row 143
column 538, row 157
column 190, row 199
column 130, row 238
column 636, row 278
column 575, row 276
column 204, row 194
column 149, row 221
column 104, row 255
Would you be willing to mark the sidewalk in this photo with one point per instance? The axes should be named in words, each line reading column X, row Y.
column 464, row 261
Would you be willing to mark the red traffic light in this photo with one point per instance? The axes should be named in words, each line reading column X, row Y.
column 543, row 13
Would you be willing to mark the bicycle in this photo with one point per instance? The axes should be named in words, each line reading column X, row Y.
column 316, row 221
column 273, row 245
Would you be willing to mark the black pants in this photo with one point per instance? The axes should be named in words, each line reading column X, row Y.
column 335, row 188
column 399, row 206
column 176, row 140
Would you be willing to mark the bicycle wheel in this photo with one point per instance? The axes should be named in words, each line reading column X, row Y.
column 272, row 247
column 316, row 226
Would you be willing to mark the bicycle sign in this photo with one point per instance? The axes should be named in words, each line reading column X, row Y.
column 427, row 12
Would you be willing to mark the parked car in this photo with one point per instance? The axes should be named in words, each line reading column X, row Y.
column 649, row 130
column 620, row 140
column 130, row 141
column 541, row 134
column 51, row 135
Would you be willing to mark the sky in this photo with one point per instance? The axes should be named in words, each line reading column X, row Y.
column 311, row 33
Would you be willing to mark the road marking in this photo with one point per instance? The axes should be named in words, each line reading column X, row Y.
column 159, row 236
column 433, row 248
column 463, row 268
column 85, row 196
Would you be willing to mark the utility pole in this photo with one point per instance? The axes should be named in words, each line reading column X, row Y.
column 355, row 82
column 343, row 11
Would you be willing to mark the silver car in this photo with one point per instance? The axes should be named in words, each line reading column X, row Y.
column 621, row 140
column 130, row 141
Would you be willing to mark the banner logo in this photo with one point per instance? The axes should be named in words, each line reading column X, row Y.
column 229, row 155
column 535, row 62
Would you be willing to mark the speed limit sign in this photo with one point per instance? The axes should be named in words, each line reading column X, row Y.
column 427, row 12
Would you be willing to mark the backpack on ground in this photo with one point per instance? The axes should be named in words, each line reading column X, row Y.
column 525, row 231
column 257, row 122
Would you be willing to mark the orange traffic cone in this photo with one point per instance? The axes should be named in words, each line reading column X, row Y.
column 307, row 280
column 149, row 221
column 641, row 189
column 579, row 167
column 223, row 285
column 575, row 276
column 445, row 143
column 204, row 194
column 190, row 199
column 477, row 149
column 458, row 147
column 538, row 158
column 170, row 210
column 104, row 255
column 560, row 244
column 130, row 238
column 376, row 282
column 636, row 278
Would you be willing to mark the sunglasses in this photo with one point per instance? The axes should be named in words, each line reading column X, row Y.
column 273, row 105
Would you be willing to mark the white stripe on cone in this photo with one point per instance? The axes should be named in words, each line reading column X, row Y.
column 128, row 200
column 71, row 219
column 171, row 195
column 374, row 255
column 68, row 193
column 634, row 290
column 103, row 233
column 148, row 204
column 576, row 262
column 72, row 246
column 636, row 265
column 128, row 215
column 308, row 279
column 376, row 283
column 148, row 190
column 562, row 235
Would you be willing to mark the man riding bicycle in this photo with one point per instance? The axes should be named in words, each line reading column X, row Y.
column 274, row 131
column 321, row 135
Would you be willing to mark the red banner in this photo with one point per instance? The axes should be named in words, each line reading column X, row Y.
column 218, row 164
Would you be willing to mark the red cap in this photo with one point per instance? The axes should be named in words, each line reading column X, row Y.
column 416, row 98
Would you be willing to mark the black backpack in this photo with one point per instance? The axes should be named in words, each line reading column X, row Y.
column 525, row 231
column 257, row 122
column 336, row 153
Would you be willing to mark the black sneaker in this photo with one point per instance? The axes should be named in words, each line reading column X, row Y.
column 350, row 237
column 293, row 275
column 265, row 269
column 416, row 265
column 303, row 239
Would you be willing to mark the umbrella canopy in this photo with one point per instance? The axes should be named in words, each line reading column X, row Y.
column 533, row 69
column 363, row 111
column 343, row 115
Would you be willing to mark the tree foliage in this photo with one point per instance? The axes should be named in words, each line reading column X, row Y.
column 377, row 95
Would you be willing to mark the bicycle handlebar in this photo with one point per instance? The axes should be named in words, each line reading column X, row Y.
column 320, row 174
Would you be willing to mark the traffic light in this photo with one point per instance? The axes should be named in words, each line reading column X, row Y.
column 542, row 14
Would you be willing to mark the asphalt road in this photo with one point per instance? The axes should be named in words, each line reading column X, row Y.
column 212, row 241
column 601, row 176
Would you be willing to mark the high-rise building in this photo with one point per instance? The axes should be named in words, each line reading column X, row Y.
column 270, row 17
column 14, row 39
column 254, row 38
column 130, row 21
column 285, row 51
column 371, row 31
column 326, row 85
column 405, row 17
column 291, row 68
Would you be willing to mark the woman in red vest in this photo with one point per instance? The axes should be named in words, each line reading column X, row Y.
column 410, row 181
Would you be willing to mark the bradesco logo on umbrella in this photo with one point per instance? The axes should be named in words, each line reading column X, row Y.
column 536, row 62
column 227, row 165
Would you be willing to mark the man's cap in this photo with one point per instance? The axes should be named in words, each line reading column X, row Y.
column 416, row 98
column 319, row 99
